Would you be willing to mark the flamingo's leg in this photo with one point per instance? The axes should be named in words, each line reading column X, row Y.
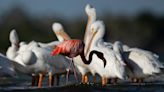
column 68, row 70
column 74, row 70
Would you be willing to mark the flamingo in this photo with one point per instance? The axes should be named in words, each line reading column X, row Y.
column 73, row 48
column 114, row 67
column 143, row 63
column 7, row 68
column 34, row 59
column 62, row 36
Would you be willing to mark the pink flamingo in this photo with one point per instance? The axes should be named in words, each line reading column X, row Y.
column 75, row 47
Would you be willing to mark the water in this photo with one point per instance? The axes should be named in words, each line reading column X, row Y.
column 149, row 87
column 22, row 84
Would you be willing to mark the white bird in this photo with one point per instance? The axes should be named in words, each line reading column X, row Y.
column 91, row 13
column 25, row 58
column 59, row 31
column 114, row 68
column 34, row 59
column 143, row 63
column 7, row 68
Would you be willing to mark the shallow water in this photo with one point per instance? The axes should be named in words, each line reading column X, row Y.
column 22, row 84
column 148, row 87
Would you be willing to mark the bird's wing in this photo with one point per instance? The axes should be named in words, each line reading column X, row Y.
column 154, row 58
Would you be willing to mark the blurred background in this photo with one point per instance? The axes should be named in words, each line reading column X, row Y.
column 137, row 23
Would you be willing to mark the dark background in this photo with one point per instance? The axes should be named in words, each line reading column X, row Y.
column 137, row 23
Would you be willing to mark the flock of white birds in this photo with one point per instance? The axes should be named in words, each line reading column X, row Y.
column 34, row 58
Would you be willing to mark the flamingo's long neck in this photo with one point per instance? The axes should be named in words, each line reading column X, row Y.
column 84, row 59
column 99, row 54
